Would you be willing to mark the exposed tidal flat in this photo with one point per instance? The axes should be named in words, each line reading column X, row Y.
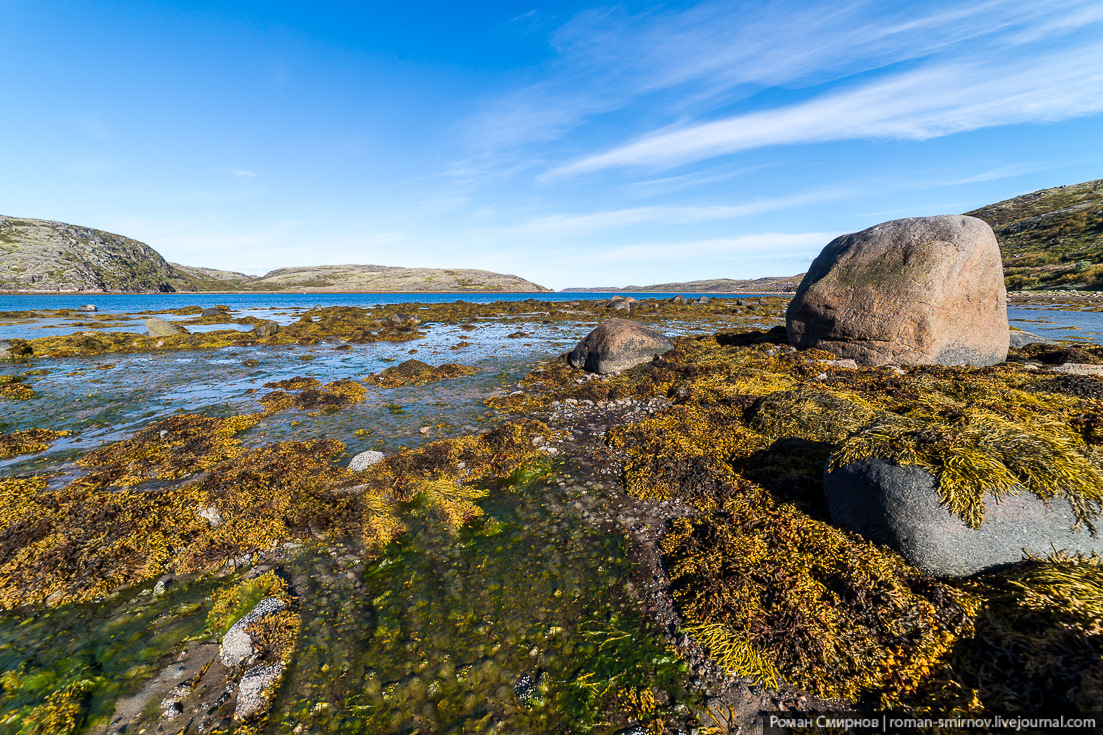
column 539, row 551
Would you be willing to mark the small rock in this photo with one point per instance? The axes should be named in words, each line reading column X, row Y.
column 365, row 460
column 1079, row 368
column 211, row 515
column 237, row 644
column 253, row 694
column 266, row 328
column 87, row 308
column 1022, row 338
column 160, row 328
column 847, row 363
column 213, row 311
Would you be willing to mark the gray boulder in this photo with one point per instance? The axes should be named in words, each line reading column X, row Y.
column 919, row 291
column 214, row 311
column 160, row 328
column 1022, row 338
column 365, row 460
column 900, row 508
column 87, row 308
column 237, row 644
column 679, row 299
column 616, row 345
column 266, row 328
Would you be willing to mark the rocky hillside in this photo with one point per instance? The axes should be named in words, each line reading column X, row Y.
column 387, row 278
column 40, row 255
column 54, row 256
column 1051, row 238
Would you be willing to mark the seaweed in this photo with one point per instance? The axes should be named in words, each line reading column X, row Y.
column 416, row 372
column 28, row 442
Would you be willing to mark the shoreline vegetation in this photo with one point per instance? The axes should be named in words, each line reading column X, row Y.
column 649, row 549
column 1051, row 238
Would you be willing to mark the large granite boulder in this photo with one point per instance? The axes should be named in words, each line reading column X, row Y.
column 618, row 344
column 899, row 507
column 160, row 328
column 919, row 291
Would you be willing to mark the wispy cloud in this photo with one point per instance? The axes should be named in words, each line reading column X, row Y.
column 93, row 126
column 239, row 172
column 758, row 245
column 571, row 225
column 694, row 61
column 924, row 103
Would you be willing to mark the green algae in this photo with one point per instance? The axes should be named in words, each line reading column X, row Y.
column 778, row 595
column 513, row 625
column 64, row 668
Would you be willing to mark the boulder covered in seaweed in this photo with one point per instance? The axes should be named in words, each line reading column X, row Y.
column 266, row 328
column 900, row 507
column 919, row 291
column 160, row 328
column 618, row 344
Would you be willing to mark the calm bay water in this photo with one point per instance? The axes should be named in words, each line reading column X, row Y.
column 129, row 303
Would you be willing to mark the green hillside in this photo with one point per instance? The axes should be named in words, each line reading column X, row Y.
column 1050, row 239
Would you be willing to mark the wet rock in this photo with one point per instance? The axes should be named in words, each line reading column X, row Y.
column 266, row 328
column 404, row 320
column 170, row 685
column 703, row 300
column 254, row 694
column 86, row 308
column 1022, row 338
column 160, row 328
column 211, row 515
column 616, row 345
column 900, row 507
column 237, row 644
column 919, row 291
column 365, row 460
column 1079, row 368
column 214, row 311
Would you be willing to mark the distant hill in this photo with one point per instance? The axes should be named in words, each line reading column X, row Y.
column 770, row 284
column 40, row 255
column 54, row 256
column 1052, row 238
column 388, row 278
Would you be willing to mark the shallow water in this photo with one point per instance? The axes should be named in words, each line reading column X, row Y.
column 1059, row 324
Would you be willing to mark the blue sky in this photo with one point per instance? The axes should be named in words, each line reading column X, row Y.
column 574, row 144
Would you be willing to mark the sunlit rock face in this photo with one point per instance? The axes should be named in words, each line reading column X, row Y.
column 919, row 291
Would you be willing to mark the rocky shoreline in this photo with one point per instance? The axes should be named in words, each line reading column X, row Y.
column 720, row 443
